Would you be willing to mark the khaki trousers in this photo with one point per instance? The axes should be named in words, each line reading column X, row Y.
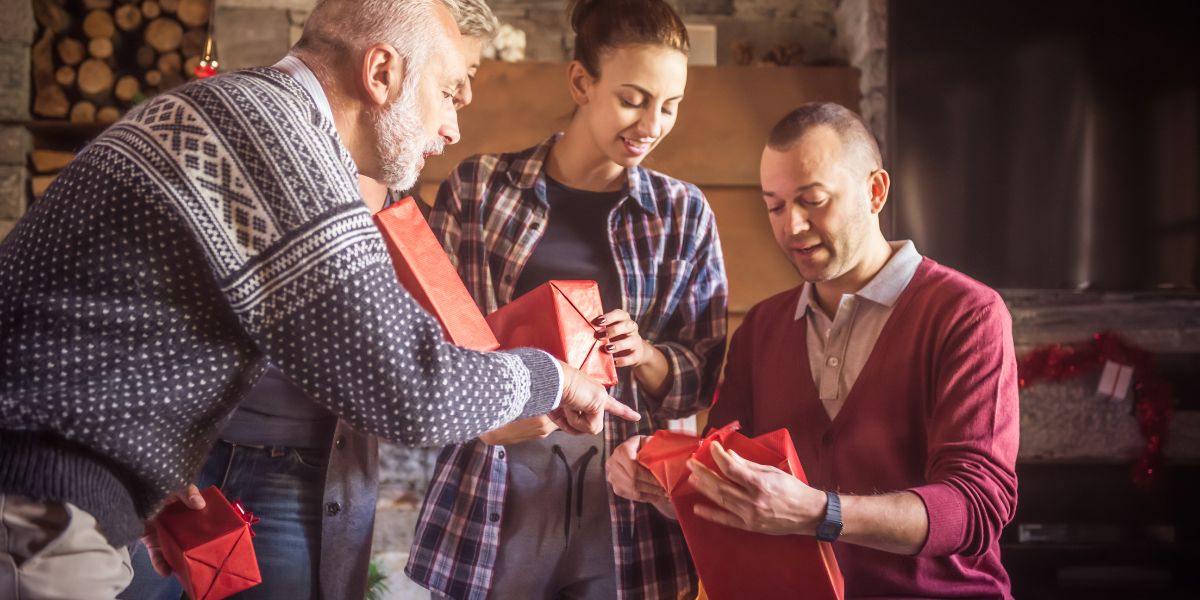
column 52, row 551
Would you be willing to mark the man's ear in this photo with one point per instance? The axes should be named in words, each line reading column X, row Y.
column 881, row 183
column 382, row 72
column 580, row 82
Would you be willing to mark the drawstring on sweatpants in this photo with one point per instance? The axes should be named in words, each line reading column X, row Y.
column 558, row 451
column 577, row 489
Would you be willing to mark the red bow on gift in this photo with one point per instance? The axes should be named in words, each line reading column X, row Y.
column 246, row 515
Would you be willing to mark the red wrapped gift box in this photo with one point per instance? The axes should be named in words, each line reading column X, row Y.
column 210, row 549
column 557, row 317
column 425, row 271
column 735, row 563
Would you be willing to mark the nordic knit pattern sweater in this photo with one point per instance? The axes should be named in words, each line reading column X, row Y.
column 216, row 227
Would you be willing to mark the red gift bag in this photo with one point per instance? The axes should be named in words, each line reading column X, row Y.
column 425, row 271
column 210, row 549
column 557, row 317
column 734, row 563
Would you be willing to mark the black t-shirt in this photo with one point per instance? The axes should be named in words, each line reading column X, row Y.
column 575, row 244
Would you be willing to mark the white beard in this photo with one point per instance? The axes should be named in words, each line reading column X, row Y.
column 401, row 142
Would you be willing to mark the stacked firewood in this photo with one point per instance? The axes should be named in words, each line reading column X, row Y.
column 46, row 165
column 96, row 58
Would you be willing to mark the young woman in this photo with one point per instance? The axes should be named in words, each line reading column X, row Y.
column 525, row 512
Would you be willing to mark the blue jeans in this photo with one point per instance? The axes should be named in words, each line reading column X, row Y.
column 284, row 488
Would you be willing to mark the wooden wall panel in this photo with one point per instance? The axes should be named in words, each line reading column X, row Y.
column 756, row 267
column 722, row 125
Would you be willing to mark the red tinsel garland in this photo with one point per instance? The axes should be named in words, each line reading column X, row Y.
column 1152, row 395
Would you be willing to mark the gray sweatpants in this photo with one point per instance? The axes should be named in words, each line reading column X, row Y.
column 556, row 537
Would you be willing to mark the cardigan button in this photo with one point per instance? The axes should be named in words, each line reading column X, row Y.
column 500, row 454
column 494, row 517
column 339, row 443
column 827, row 439
column 333, row 508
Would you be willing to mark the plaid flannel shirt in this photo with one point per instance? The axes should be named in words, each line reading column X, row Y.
column 489, row 215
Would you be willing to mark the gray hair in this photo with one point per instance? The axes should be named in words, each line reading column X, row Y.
column 855, row 135
column 475, row 19
column 339, row 31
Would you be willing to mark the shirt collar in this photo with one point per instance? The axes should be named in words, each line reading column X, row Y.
column 528, row 171
column 299, row 71
column 883, row 289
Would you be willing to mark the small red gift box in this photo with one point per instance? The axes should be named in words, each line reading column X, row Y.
column 734, row 563
column 210, row 549
column 557, row 317
column 425, row 271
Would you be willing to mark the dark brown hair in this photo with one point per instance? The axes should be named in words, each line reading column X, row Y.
column 855, row 135
column 602, row 25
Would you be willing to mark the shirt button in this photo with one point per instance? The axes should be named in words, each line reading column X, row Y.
column 536, row 225
column 338, row 443
column 494, row 517
column 333, row 508
column 508, row 279
column 833, row 361
column 500, row 454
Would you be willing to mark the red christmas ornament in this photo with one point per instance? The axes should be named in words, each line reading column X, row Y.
column 1152, row 395
column 208, row 64
column 202, row 70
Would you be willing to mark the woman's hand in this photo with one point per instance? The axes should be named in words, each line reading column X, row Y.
column 522, row 430
column 620, row 333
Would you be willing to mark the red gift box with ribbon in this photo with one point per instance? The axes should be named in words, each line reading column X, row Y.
column 734, row 563
column 557, row 317
column 426, row 272
column 209, row 549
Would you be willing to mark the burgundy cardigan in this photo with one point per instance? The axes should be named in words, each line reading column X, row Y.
column 934, row 412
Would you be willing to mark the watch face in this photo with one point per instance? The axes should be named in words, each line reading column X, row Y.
column 828, row 530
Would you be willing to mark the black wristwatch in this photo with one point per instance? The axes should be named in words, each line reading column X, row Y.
column 829, row 529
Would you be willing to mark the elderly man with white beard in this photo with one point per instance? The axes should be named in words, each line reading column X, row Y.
column 217, row 227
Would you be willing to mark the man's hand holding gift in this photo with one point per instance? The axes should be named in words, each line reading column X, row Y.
column 630, row 480
column 191, row 498
column 755, row 497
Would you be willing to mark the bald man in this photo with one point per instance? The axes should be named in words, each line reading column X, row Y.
column 904, row 410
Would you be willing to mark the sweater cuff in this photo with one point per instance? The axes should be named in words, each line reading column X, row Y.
column 545, row 381
column 947, row 515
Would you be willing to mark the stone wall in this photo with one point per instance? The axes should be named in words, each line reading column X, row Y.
column 16, row 36
column 256, row 32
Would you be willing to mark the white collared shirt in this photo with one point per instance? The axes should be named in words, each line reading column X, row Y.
column 308, row 80
column 838, row 348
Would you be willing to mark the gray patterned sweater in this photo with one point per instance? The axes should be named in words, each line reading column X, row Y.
column 216, row 227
